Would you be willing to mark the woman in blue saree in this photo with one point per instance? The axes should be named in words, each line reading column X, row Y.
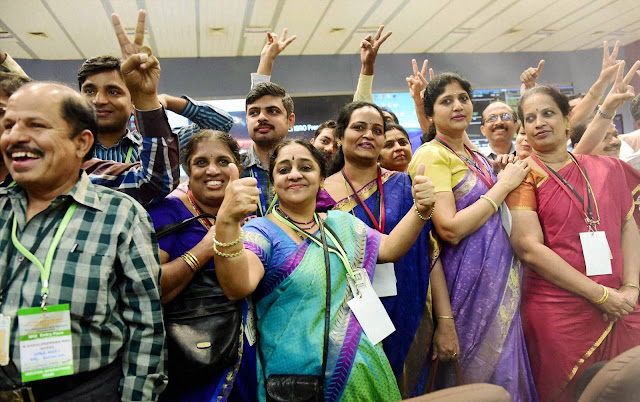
column 284, row 269
column 380, row 198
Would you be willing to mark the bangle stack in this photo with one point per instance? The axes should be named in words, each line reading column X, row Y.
column 492, row 202
column 604, row 297
column 217, row 244
column 422, row 216
column 191, row 260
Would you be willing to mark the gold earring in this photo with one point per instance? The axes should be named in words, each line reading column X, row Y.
column 339, row 143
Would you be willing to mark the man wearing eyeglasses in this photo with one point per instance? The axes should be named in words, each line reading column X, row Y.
column 499, row 126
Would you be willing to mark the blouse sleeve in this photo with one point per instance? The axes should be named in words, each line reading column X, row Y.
column 524, row 196
column 257, row 240
column 437, row 166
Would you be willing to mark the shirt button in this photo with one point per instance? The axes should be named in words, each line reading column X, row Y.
column 21, row 258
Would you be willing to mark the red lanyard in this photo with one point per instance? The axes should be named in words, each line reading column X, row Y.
column 379, row 227
column 573, row 194
column 485, row 176
column 205, row 222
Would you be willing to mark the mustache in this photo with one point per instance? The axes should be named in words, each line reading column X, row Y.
column 24, row 148
column 614, row 147
column 264, row 125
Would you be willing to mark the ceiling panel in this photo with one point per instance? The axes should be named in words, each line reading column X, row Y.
column 19, row 17
column 290, row 17
column 175, row 33
column 261, row 16
column 226, row 14
column 411, row 18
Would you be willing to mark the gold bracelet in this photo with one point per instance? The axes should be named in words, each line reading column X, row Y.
column 228, row 255
column 445, row 317
column 222, row 244
column 631, row 285
column 191, row 260
column 594, row 95
column 418, row 211
column 604, row 297
column 492, row 202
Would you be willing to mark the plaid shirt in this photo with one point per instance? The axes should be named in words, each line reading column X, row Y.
column 202, row 114
column 252, row 166
column 158, row 171
column 106, row 267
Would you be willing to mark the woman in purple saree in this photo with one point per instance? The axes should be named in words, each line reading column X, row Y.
column 483, row 276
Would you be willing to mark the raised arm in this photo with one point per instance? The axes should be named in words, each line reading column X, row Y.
column 240, row 274
column 607, row 74
column 8, row 65
column 527, row 241
column 529, row 77
column 620, row 93
column 274, row 46
column 404, row 235
column 417, row 84
column 368, row 52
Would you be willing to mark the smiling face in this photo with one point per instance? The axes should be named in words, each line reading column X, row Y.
column 363, row 136
column 36, row 140
column 111, row 98
column 452, row 110
column 267, row 120
column 296, row 176
column 501, row 130
column 610, row 145
column 523, row 149
column 396, row 151
column 209, row 171
column 544, row 123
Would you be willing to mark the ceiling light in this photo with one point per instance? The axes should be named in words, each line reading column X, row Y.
column 38, row 35
column 256, row 31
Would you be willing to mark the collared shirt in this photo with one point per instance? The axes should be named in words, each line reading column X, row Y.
column 106, row 267
column 157, row 172
column 202, row 114
column 252, row 165
column 492, row 154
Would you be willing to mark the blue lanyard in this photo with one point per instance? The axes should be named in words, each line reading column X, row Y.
column 262, row 203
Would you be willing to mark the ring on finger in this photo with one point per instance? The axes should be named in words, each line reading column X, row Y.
column 454, row 354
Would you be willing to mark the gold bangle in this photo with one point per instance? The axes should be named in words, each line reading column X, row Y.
column 418, row 211
column 631, row 285
column 604, row 297
column 492, row 202
column 191, row 260
column 222, row 244
column 594, row 95
column 445, row 317
column 228, row 255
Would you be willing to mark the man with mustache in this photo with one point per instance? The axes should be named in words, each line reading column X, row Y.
column 610, row 144
column 499, row 126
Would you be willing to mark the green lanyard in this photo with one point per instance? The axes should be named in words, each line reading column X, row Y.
column 129, row 153
column 338, row 250
column 45, row 269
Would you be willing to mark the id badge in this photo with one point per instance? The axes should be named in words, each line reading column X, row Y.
column 505, row 216
column 5, row 335
column 384, row 280
column 597, row 254
column 45, row 342
column 369, row 311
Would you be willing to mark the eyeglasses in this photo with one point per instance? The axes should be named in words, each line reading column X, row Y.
column 504, row 117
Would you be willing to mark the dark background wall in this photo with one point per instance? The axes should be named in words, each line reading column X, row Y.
column 210, row 78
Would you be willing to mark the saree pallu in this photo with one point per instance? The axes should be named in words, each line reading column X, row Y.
column 484, row 280
column 566, row 333
column 290, row 302
column 410, row 311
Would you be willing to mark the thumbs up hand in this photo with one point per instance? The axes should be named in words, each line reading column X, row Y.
column 423, row 192
column 240, row 197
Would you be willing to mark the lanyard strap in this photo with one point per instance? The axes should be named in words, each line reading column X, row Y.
column 380, row 203
column 483, row 174
column 129, row 153
column 45, row 269
column 337, row 250
column 573, row 194
column 261, row 200
column 204, row 221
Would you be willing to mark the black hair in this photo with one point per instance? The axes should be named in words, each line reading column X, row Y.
column 10, row 82
column 269, row 88
column 80, row 115
column 558, row 97
column 391, row 126
column 317, row 155
column 327, row 124
column 206, row 134
column 96, row 65
column 577, row 131
column 393, row 115
column 337, row 162
column 436, row 88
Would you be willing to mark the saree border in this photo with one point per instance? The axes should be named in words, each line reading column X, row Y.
column 348, row 203
column 588, row 354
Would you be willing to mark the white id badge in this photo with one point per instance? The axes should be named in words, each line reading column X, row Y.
column 505, row 216
column 384, row 280
column 250, row 327
column 5, row 336
column 597, row 254
column 45, row 342
column 370, row 313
